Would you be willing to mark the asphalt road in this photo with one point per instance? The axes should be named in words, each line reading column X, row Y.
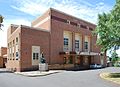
column 87, row 78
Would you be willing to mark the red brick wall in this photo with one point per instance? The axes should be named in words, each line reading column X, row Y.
column 3, row 51
column 32, row 37
column 50, row 42
column 1, row 62
column 57, row 29
column 46, row 24
column 12, row 63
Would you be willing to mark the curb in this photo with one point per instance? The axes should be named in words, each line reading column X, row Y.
column 42, row 74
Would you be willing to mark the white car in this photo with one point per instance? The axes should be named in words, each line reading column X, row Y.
column 95, row 66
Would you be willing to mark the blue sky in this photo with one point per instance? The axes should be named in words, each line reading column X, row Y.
column 24, row 11
column 30, row 9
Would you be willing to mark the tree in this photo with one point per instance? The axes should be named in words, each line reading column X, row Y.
column 115, row 24
column 108, row 28
column 1, row 21
column 114, row 57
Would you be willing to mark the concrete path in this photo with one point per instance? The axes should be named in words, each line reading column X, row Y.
column 38, row 73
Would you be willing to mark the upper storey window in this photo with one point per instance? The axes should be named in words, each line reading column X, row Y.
column 83, row 26
column 77, row 45
column 66, row 44
column 71, row 22
column 16, row 40
column 68, row 22
column 87, row 44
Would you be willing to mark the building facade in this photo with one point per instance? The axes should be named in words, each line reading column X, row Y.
column 64, row 40
column 3, row 57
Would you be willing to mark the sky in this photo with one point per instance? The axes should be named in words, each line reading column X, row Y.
column 24, row 11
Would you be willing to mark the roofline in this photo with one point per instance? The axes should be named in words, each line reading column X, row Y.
column 71, row 16
column 24, row 26
column 65, row 14
column 3, row 47
column 40, row 15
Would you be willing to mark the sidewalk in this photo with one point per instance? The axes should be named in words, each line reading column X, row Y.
column 38, row 73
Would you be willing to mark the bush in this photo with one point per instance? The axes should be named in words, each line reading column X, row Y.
column 117, row 64
column 114, row 75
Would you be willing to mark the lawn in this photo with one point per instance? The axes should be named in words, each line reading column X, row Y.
column 114, row 77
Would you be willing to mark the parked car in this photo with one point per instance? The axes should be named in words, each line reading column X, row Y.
column 95, row 66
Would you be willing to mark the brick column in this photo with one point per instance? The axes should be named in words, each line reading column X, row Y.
column 73, row 41
column 83, row 40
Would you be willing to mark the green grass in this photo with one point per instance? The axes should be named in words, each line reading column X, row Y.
column 114, row 75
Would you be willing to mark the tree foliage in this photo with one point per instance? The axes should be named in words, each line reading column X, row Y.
column 1, row 21
column 108, row 28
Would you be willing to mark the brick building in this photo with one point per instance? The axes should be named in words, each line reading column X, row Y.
column 65, row 41
column 3, row 56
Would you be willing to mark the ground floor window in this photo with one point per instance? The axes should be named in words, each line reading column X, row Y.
column 35, row 56
column 17, row 55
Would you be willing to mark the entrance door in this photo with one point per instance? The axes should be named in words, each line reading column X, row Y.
column 87, row 61
column 35, row 55
column 4, row 62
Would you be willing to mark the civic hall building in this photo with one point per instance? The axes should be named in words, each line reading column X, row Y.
column 65, row 41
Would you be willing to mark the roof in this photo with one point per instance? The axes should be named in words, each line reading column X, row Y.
column 52, row 9
column 72, row 16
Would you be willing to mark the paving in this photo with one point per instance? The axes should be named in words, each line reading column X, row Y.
column 38, row 73
column 86, row 78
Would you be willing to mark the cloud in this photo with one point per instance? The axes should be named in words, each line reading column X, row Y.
column 7, row 22
column 78, row 8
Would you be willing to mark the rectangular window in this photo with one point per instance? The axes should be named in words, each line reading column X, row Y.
column 13, row 49
column 66, row 43
column 35, row 56
column 10, row 50
column 83, row 26
column 8, row 45
column 68, row 22
column 13, row 54
column 16, row 40
column 86, row 45
column 13, row 42
column 10, row 55
column 17, row 55
column 77, row 45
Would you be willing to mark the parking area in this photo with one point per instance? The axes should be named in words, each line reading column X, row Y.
column 86, row 78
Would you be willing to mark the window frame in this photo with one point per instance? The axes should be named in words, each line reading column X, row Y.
column 66, row 43
column 35, row 56
column 17, row 55
column 77, row 45
column 86, row 45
